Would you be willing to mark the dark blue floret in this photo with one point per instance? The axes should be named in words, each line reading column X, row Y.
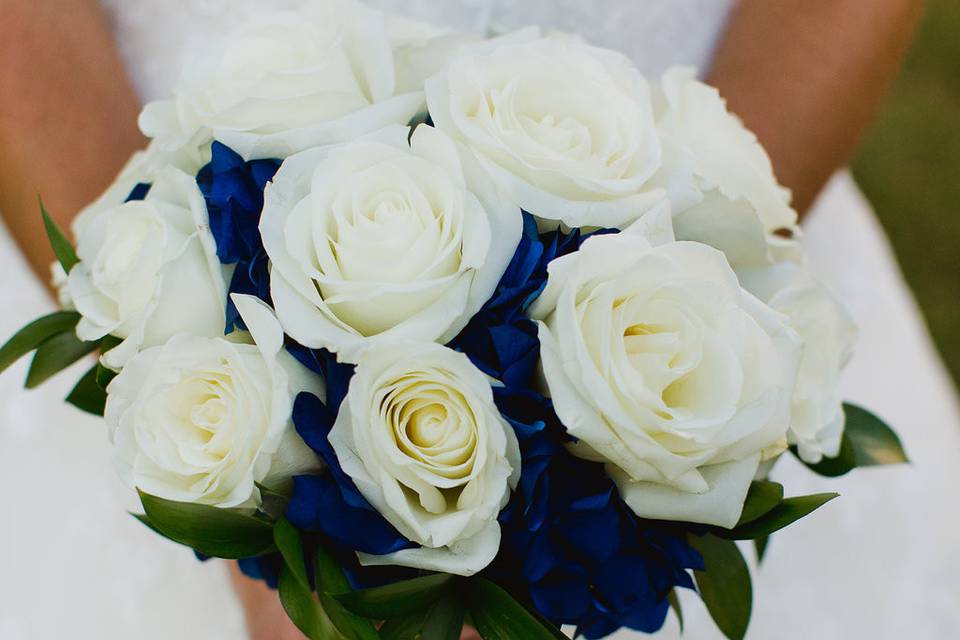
column 139, row 192
column 500, row 339
column 570, row 546
column 266, row 568
column 330, row 503
column 233, row 190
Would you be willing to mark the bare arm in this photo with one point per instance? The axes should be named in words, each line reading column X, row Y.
column 808, row 75
column 67, row 115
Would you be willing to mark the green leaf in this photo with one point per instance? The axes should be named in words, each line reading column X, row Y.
column 55, row 355
column 444, row 620
column 867, row 441
column 845, row 461
column 405, row 628
column 874, row 443
column 787, row 512
column 675, row 605
column 221, row 533
column 34, row 334
column 761, row 498
column 87, row 394
column 397, row 599
column 352, row 626
column 303, row 609
column 331, row 582
column 104, row 376
column 61, row 245
column 288, row 542
column 272, row 503
column 145, row 521
column 329, row 575
column 724, row 585
column 760, row 545
column 498, row 616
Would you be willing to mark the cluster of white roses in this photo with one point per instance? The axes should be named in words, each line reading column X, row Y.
column 683, row 352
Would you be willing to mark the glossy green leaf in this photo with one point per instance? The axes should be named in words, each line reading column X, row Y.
column 724, row 584
column 787, row 512
column 145, row 521
column 350, row 625
column 55, row 355
column 87, row 394
column 303, row 609
column 867, row 441
column 329, row 575
column 330, row 583
column 221, row 533
column 273, row 503
column 761, row 498
column 104, row 376
column 36, row 333
column 288, row 543
column 760, row 545
column 874, row 442
column 62, row 247
column 498, row 616
column 675, row 605
column 405, row 628
column 843, row 463
column 444, row 621
column 397, row 599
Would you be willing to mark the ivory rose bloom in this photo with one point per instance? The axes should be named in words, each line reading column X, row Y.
column 659, row 364
column 379, row 239
column 142, row 168
column 204, row 419
column 287, row 81
column 721, row 183
column 829, row 334
column 566, row 129
column 422, row 439
column 142, row 263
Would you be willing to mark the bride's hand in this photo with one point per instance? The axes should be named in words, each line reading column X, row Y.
column 266, row 619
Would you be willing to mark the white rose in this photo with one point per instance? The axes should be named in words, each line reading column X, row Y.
column 142, row 168
column 828, row 333
column 204, row 419
column 721, row 183
column 148, row 270
column 420, row 50
column 663, row 367
column 61, row 286
column 422, row 439
column 566, row 129
column 285, row 81
column 379, row 239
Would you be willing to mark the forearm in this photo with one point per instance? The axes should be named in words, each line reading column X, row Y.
column 67, row 115
column 808, row 75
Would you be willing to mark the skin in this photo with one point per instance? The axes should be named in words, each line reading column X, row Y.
column 805, row 75
column 67, row 116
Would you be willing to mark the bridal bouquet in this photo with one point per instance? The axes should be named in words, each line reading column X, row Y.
column 430, row 330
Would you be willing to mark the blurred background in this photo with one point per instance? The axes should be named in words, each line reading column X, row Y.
column 909, row 167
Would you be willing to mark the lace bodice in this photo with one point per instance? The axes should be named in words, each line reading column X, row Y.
column 157, row 36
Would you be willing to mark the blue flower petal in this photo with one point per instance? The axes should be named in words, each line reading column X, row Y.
column 233, row 191
column 319, row 505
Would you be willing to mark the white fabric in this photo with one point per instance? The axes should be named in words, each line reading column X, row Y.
column 881, row 562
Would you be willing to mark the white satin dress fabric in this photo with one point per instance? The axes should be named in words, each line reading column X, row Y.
column 881, row 562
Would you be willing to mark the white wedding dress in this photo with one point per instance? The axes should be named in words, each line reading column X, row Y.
column 881, row 562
